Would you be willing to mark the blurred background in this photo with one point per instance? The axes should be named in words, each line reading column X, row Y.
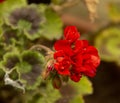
column 103, row 33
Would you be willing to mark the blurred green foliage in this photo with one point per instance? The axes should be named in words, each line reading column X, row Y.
column 108, row 44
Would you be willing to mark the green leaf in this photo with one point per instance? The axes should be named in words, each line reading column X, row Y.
column 23, row 24
column 32, row 62
column 23, row 20
column 10, row 36
column 10, row 61
column 14, row 75
column 42, row 8
column 24, row 67
column 32, row 57
column 33, row 36
column 49, row 95
column 52, row 28
column 77, row 99
column 83, row 87
column 114, row 11
column 10, row 5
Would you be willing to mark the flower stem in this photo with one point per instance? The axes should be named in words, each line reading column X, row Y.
column 39, row 47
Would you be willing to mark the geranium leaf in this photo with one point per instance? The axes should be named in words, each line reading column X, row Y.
column 9, row 5
column 50, row 93
column 10, row 61
column 77, row 99
column 30, row 68
column 52, row 28
column 83, row 87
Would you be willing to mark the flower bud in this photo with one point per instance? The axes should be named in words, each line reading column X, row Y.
column 56, row 82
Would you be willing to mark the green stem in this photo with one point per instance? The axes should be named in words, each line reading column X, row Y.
column 39, row 47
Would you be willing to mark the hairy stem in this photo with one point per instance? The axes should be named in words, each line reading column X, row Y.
column 39, row 47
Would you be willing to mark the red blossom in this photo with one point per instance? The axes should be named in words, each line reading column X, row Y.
column 75, row 57
column 71, row 34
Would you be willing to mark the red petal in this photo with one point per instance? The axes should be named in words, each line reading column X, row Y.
column 65, row 72
column 75, row 77
column 63, row 45
column 80, row 45
column 61, row 71
column 69, row 29
column 89, row 71
column 95, row 60
column 59, row 53
column 91, row 50
column 77, row 59
column 71, row 34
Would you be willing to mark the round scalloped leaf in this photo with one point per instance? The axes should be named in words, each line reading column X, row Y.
column 33, row 36
column 108, row 44
column 114, row 11
column 10, row 36
column 31, row 68
column 52, row 28
column 9, row 5
column 26, row 26
column 10, row 61
column 26, row 19
column 83, row 87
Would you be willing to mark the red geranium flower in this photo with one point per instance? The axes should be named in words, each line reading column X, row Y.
column 86, row 61
column 75, row 57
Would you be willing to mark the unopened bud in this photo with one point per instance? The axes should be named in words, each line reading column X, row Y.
column 56, row 82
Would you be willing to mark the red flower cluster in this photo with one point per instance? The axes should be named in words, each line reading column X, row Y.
column 74, row 57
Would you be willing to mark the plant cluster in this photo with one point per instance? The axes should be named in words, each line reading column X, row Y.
column 27, row 62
